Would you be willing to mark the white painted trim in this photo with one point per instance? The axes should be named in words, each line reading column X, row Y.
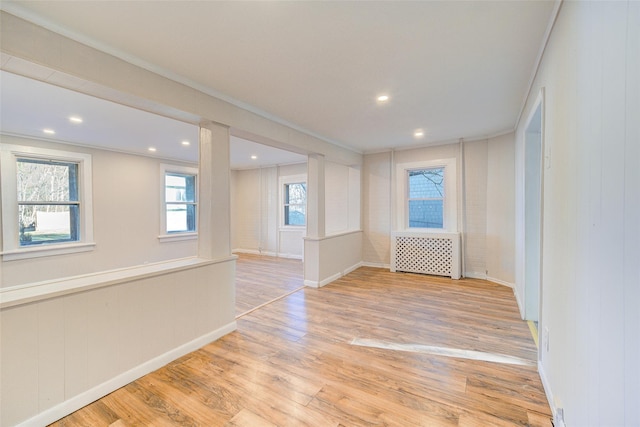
column 164, row 238
column 289, row 256
column 519, row 301
column 45, row 251
column 315, row 284
column 331, row 236
column 73, row 404
column 37, row 291
column 557, row 422
column 536, row 68
column 475, row 275
column 501, row 282
column 352, row 268
column 8, row 171
column 254, row 252
column 450, row 200
column 376, row 265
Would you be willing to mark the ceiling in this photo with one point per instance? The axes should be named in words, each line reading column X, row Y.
column 453, row 69
column 29, row 106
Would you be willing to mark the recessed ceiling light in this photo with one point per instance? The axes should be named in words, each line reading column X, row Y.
column 254, row 157
column 186, row 143
column 49, row 131
column 152, row 149
column 418, row 133
column 383, row 98
column 75, row 119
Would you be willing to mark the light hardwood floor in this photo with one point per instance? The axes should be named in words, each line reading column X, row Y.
column 294, row 362
column 260, row 279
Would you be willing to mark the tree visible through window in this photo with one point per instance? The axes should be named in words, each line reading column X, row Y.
column 48, row 204
column 180, row 200
column 426, row 198
column 295, row 203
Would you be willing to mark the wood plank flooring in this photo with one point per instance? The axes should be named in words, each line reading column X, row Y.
column 260, row 279
column 292, row 362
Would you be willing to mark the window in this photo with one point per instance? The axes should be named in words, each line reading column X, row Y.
column 295, row 203
column 426, row 198
column 179, row 211
column 427, row 195
column 46, row 202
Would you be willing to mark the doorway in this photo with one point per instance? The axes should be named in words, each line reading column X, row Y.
column 533, row 179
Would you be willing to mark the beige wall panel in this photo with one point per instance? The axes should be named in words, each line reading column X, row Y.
column 51, row 353
column 500, row 238
column 19, row 367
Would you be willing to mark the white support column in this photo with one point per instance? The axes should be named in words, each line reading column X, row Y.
column 315, row 196
column 214, row 205
column 315, row 220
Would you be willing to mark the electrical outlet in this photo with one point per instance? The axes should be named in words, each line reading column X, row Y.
column 545, row 339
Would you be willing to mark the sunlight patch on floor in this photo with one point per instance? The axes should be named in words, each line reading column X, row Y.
column 444, row 351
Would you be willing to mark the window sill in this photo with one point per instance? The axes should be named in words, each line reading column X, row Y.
column 48, row 250
column 292, row 227
column 164, row 238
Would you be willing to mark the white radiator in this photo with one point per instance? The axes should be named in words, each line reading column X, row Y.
column 426, row 253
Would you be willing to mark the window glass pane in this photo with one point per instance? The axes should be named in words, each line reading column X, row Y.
column 46, row 181
column 180, row 188
column 181, row 218
column 426, row 183
column 426, row 213
column 296, row 193
column 295, row 214
column 47, row 224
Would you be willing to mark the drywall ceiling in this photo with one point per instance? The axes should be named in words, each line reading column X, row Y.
column 454, row 69
column 30, row 106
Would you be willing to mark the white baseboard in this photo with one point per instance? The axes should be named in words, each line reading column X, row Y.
column 253, row 252
column 83, row 399
column 501, row 282
column 558, row 419
column 352, row 268
column 517, row 296
column 315, row 284
column 375, row 265
column 475, row 275
column 290, row 256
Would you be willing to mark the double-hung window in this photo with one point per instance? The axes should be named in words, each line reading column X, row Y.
column 179, row 210
column 295, row 203
column 427, row 195
column 426, row 198
column 46, row 202
column 293, row 200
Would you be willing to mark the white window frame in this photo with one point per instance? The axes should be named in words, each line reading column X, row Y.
column 284, row 180
column 450, row 215
column 11, row 249
column 186, row 235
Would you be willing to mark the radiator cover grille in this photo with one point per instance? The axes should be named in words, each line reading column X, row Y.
column 432, row 253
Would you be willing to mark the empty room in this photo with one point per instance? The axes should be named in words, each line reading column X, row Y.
column 320, row 213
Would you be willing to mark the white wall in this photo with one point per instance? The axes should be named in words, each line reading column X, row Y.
column 591, row 234
column 378, row 202
column 376, row 199
column 256, row 212
column 126, row 220
column 342, row 198
column 500, row 237
column 60, row 354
